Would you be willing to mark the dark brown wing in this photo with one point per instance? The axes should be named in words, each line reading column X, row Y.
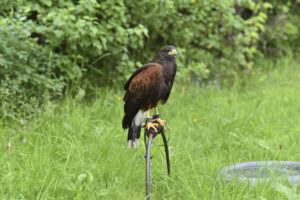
column 141, row 69
column 140, row 83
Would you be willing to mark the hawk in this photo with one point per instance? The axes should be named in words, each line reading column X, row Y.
column 147, row 86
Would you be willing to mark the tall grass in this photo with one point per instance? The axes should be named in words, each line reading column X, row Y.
column 77, row 150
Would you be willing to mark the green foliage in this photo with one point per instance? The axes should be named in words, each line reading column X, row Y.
column 282, row 29
column 48, row 45
column 25, row 71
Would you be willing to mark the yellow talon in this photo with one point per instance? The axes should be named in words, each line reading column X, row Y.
column 161, row 122
column 151, row 125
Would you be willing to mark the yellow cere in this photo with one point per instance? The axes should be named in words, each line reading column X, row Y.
column 172, row 52
column 119, row 98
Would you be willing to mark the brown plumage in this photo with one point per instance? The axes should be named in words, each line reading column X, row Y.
column 146, row 87
column 141, row 84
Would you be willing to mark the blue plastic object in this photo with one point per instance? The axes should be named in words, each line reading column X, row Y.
column 258, row 171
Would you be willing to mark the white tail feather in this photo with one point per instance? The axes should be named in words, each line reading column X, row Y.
column 133, row 143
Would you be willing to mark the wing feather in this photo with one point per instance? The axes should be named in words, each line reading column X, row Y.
column 142, row 82
column 141, row 69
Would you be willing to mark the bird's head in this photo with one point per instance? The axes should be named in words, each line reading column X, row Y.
column 168, row 52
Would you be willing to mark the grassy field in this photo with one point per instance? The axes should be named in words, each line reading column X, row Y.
column 77, row 150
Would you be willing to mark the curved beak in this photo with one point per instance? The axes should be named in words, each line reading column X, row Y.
column 173, row 52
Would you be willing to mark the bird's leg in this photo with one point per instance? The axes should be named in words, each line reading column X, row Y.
column 150, row 124
column 161, row 122
column 148, row 114
column 156, row 111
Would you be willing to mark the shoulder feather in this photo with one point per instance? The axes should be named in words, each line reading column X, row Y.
column 139, row 70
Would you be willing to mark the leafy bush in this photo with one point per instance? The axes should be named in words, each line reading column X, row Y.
column 25, row 71
column 46, row 45
column 282, row 29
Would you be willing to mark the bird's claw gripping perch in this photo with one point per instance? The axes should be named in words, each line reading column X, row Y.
column 155, row 125
column 151, row 125
column 161, row 122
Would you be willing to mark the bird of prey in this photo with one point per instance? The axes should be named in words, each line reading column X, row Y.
column 147, row 86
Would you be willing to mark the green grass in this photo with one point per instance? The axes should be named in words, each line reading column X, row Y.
column 77, row 150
